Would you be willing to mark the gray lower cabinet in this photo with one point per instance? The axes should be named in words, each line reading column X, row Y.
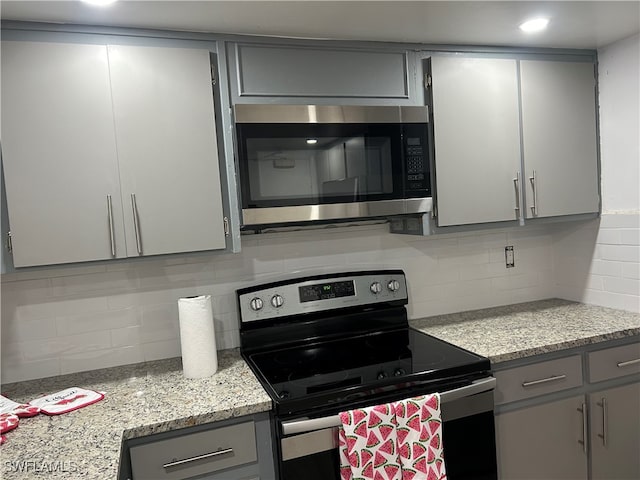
column 615, row 433
column 555, row 421
column 238, row 449
column 108, row 151
column 542, row 442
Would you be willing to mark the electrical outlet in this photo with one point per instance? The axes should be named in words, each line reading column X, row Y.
column 509, row 258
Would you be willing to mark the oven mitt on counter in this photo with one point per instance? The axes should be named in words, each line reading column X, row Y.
column 66, row 400
column 8, row 422
column 20, row 409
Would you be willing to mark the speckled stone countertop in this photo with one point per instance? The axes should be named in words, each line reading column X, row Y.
column 526, row 329
column 140, row 400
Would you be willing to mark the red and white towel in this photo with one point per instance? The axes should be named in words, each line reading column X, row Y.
column 20, row 409
column 397, row 441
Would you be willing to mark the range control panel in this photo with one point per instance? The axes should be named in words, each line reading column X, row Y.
column 320, row 293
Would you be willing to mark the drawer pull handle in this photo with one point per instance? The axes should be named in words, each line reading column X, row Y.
column 544, row 380
column 583, row 442
column 628, row 362
column 605, row 426
column 198, row 457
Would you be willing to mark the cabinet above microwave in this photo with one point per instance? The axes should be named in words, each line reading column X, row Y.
column 312, row 163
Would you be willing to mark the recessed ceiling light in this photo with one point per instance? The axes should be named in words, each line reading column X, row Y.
column 99, row 3
column 312, row 141
column 534, row 25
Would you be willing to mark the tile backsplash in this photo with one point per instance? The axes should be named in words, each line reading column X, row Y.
column 69, row 319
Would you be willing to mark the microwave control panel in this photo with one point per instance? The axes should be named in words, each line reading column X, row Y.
column 416, row 172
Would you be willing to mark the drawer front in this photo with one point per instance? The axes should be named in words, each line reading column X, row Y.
column 538, row 379
column 614, row 362
column 195, row 454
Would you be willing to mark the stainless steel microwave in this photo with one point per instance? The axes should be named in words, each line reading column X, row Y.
column 319, row 163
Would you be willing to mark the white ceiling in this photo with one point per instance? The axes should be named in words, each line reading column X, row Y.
column 574, row 24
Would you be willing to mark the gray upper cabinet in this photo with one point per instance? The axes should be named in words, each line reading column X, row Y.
column 166, row 137
column 59, row 154
column 513, row 139
column 294, row 71
column 476, row 139
column 559, row 138
column 108, row 152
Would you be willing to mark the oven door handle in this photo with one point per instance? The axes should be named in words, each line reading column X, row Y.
column 309, row 425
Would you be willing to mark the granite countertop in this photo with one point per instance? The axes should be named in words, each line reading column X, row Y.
column 140, row 400
column 526, row 329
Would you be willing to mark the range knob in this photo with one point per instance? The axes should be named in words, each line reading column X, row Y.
column 398, row 372
column 393, row 285
column 277, row 301
column 375, row 288
column 382, row 374
column 256, row 304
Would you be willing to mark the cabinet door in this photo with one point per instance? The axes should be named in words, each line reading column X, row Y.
column 167, row 150
column 59, row 154
column 559, row 137
column 542, row 442
column 615, row 433
column 477, row 139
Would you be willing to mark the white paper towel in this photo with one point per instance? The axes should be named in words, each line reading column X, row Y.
column 197, row 337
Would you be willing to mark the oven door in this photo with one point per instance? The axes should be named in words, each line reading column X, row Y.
column 308, row 448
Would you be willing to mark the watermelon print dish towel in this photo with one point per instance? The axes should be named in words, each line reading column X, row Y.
column 394, row 441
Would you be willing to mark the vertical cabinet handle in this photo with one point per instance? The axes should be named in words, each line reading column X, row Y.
column 136, row 223
column 516, row 184
column 534, row 189
column 583, row 442
column 605, row 427
column 112, row 237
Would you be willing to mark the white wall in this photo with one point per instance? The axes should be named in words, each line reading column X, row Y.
column 80, row 318
column 598, row 262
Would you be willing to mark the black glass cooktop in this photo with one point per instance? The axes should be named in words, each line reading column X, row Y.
column 333, row 369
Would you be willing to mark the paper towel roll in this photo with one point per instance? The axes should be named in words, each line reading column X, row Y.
column 197, row 337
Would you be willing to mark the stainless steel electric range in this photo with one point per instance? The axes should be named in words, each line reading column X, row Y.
column 327, row 343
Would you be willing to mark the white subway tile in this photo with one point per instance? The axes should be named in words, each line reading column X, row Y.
column 631, row 270
column 607, row 268
column 53, row 272
column 107, row 320
column 463, row 257
column 127, row 336
column 56, row 308
column 485, row 270
column 227, row 339
column 100, row 359
column 595, row 282
column 159, row 350
column 498, row 239
column 103, row 283
column 620, row 221
column 632, row 303
column 24, row 370
column 623, row 253
column 514, row 281
column 303, row 263
column 609, row 236
column 627, row 286
column 151, row 297
column 25, row 291
column 603, row 298
column 630, row 237
column 66, row 345
column 16, row 330
column 159, row 322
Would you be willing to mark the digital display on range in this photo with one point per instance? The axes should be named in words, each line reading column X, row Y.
column 325, row 291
